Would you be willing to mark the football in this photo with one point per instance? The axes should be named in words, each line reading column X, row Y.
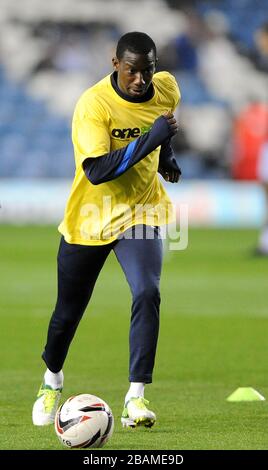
column 84, row 421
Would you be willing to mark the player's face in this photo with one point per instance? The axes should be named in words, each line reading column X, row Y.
column 135, row 72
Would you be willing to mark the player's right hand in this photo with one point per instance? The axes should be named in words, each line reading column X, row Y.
column 164, row 127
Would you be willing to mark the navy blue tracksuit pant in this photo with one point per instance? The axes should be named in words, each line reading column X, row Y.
column 78, row 270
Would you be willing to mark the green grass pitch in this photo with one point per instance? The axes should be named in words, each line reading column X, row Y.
column 213, row 339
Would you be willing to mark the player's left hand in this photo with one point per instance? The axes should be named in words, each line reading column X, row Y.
column 170, row 171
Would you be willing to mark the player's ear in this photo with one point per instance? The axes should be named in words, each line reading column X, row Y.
column 115, row 63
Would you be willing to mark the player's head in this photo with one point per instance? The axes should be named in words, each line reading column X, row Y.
column 135, row 63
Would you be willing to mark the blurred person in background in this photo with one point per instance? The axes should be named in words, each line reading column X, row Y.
column 249, row 135
column 250, row 155
column 122, row 128
column 181, row 53
column 262, row 172
column 259, row 57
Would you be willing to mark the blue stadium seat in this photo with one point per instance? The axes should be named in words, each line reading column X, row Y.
column 34, row 142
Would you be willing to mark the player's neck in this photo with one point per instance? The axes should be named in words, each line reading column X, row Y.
column 140, row 99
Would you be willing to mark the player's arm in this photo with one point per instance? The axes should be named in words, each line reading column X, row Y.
column 113, row 164
column 168, row 166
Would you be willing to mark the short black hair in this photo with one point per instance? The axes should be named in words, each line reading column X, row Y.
column 136, row 42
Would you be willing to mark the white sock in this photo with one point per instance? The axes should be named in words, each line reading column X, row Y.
column 136, row 390
column 263, row 240
column 54, row 380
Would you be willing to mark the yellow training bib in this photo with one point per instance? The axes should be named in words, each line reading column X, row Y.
column 102, row 122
